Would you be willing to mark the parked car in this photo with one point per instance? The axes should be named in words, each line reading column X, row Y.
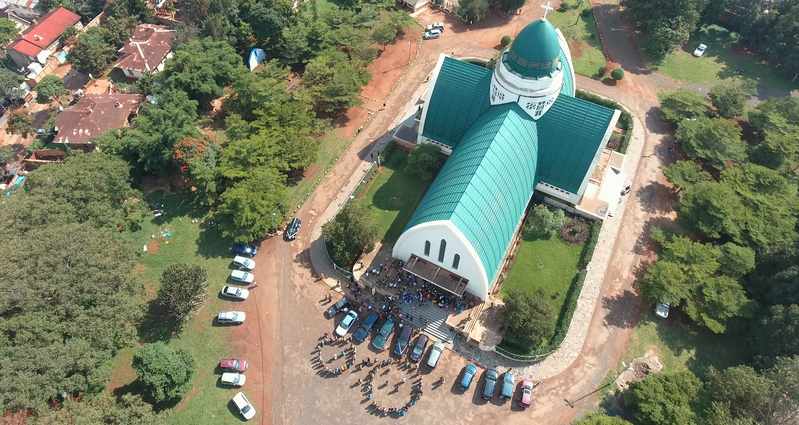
column 346, row 323
column 662, row 310
column 418, row 348
column 432, row 34
column 235, row 293
column 233, row 365
column 507, row 386
column 241, row 276
column 403, row 341
column 235, row 379
column 337, row 307
column 244, row 406
column 243, row 262
column 363, row 332
column 245, row 249
column 468, row 375
column 489, row 384
column 437, row 26
column 435, row 354
column 700, row 50
column 231, row 317
column 293, row 228
column 382, row 337
column 526, row 396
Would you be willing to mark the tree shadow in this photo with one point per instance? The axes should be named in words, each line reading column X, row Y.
column 136, row 388
column 644, row 245
column 211, row 243
column 656, row 198
column 656, row 123
column 619, row 309
column 157, row 325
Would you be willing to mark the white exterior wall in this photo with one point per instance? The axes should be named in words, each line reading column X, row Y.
column 412, row 241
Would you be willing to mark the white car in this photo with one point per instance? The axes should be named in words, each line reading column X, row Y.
column 662, row 310
column 437, row 26
column 241, row 276
column 231, row 317
column 244, row 406
column 235, row 293
column 235, row 379
column 243, row 262
column 432, row 34
column 700, row 50
column 346, row 323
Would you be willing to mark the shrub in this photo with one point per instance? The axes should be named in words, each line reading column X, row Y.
column 574, row 232
column 614, row 142
column 587, row 12
column 565, row 6
column 165, row 373
column 545, row 221
column 617, row 74
column 506, row 40
column 602, row 71
column 588, row 248
column 386, row 151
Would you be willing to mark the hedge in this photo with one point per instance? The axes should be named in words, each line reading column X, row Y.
column 386, row 152
column 625, row 115
column 590, row 245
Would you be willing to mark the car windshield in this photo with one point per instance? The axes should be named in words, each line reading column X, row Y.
column 246, row 408
column 236, row 364
column 417, row 349
column 237, row 379
column 238, row 292
column 234, row 316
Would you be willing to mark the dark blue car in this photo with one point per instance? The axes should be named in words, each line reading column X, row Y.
column 244, row 249
column 363, row 332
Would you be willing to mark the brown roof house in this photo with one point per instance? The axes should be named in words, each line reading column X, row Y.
column 147, row 50
column 38, row 42
column 92, row 115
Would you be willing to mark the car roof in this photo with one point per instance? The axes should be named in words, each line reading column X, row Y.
column 422, row 339
column 371, row 319
column 527, row 382
column 471, row 368
column 406, row 332
column 491, row 373
column 508, row 377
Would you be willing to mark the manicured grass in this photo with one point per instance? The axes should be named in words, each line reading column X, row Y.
column 680, row 344
column 190, row 244
column 583, row 39
column 393, row 195
column 548, row 264
column 719, row 62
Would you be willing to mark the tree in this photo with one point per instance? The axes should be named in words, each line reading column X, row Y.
column 617, row 74
column 529, row 317
column 50, row 89
column 683, row 103
column 352, row 231
column 685, row 174
column 717, row 141
column 20, row 122
column 776, row 122
column 473, row 9
column 245, row 209
column 68, row 35
column 164, row 372
column 600, row 419
column 333, row 83
column 776, row 333
column 776, row 277
column 104, row 410
column 10, row 83
column 201, row 69
column 512, row 4
column 183, row 289
column 664, row 398
column 91, row 51
column 8, row 30
column 667, row 24
column 424, row 161
column 545, row 221
column 268, row 18
column 735, row 260
column 6, row 154
column 729, row 99
column 712, row 209
column 251, row 91
column 384, row 34
column 185, row 33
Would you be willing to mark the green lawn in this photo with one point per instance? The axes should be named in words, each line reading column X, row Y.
column 331, row 147
column 548, row 264
column 192, row 245
column 680, row 344
column 719, row 62
column 393, row 195
column 583, row 39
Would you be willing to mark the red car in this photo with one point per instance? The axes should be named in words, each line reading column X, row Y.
column 233, row 365
column 527, row 393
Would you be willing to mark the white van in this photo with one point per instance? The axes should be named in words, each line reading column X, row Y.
column 435, row 354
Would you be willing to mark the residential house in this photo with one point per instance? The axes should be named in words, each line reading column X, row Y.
column 24, row 9
column 7, row 13
column 38, row 42
column 92, row 115
column 147, row 50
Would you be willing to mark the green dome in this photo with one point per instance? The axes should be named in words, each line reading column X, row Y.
column 535, row 52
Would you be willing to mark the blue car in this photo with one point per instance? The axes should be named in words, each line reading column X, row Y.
column 245, row 249
column 490, row 384
column 365, row 328
column 507, row 386
column 468, row 376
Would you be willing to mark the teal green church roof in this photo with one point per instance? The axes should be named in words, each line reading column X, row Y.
column 500, row 154
column 536, row 50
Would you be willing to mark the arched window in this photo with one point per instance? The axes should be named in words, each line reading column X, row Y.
column 456, row 261
column 427, row 248
column 441, row 250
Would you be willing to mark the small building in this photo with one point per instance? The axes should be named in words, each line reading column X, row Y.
column 147, row 50
column 40, row 41
column 7, row 12
column 24, row 9
column 92, row 115
column 416, row 5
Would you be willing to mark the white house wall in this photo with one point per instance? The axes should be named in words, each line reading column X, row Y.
column 412, row 241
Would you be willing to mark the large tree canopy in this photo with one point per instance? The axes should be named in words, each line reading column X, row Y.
column 683, row 103
column 530, row 318
column 716, row 141
column 333, row 83
column 666, row 24
column 201, row 69
column 165, row 372
column 664, row 398
column 246, row 208
column 776, row 332
column 352, row 231
column 92, row 50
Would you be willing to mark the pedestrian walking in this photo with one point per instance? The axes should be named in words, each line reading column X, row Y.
column 403, row 380
column 254, row 284
column 396, row 388
column 386, row 384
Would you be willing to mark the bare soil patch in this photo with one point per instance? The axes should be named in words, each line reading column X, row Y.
column 152, row 247
column 575, row 47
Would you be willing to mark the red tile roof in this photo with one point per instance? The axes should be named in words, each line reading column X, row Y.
column 93, row 114
column 45, row 32
column 147, row 48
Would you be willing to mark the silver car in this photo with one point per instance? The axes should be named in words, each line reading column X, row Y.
column 231, row 317
column 432, row 34
column 243, row 262
column 244, row 406
column 235, row 293
column 235, row 379
column 241, row 276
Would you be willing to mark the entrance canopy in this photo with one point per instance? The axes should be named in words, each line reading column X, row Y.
column 436, row 275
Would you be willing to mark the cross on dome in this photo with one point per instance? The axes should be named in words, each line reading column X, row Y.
column 547, row 9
